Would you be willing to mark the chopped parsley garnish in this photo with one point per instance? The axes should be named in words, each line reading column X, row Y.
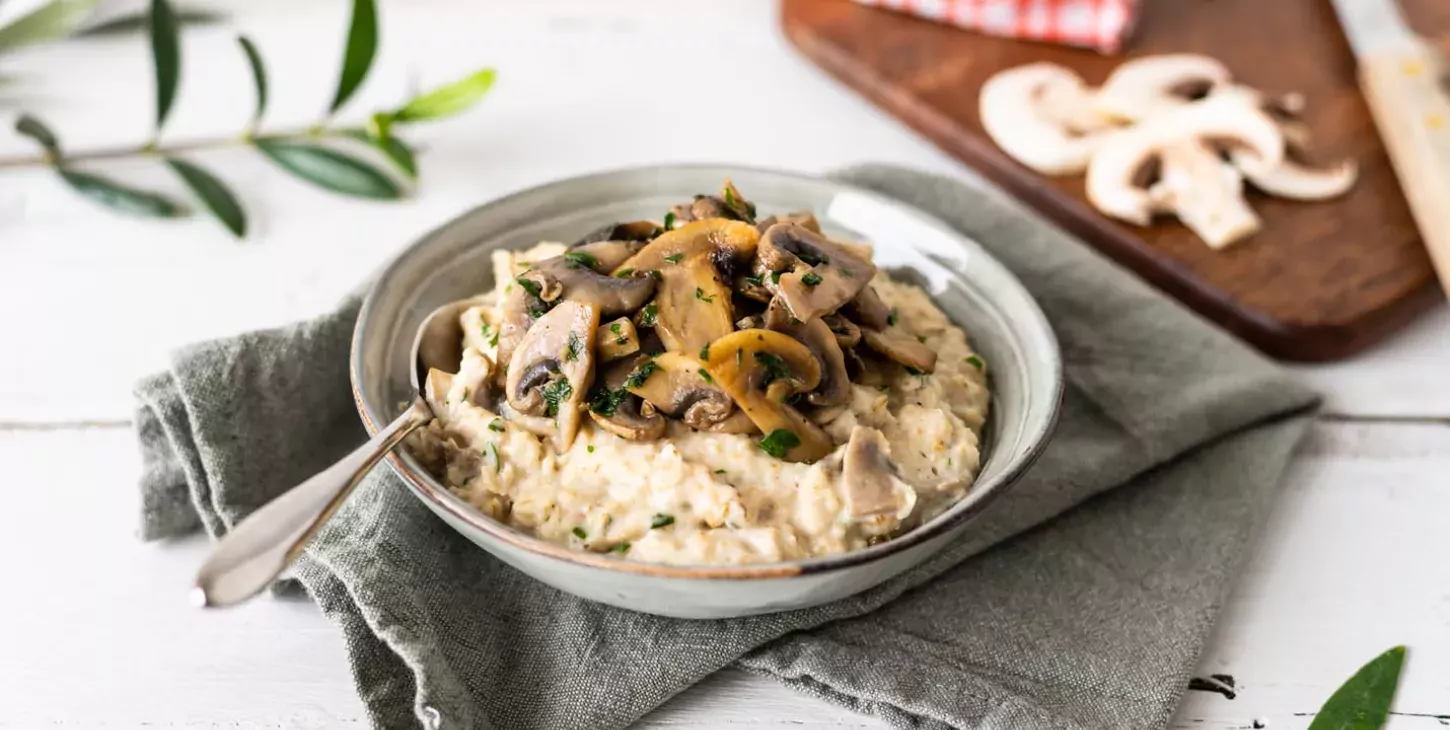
column 614, row 327
column 661, row 520
column 492, row 451
column 493, row 341
column 576, row 346
column 911, row 370
column 812, row 258
column 921, row 339
column 656, row 275
column 976, row 362
column 729, row 196
column 649, row 315
column 775, row 368
column 620, row 548
column 706, row 375
column 575, row 259
column 811, row 279
column 719, row 471
column 704, row 353
column 756, row 280
column 700, row 294
column 589, row 448
column 669, row 220
column 775, row 277
column 496, row 425
column 605, row 401
column 556, row 393
column 529, row 285
column 621, row 340
column 483, row 330
column 675, row 258
column 639, row 375
column 792, row 399
column 891, row 318
column 580, row 533
column 739, row 357
column 622, row 273
column 779, row 442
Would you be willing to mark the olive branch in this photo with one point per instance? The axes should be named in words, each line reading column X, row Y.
column 298, row 153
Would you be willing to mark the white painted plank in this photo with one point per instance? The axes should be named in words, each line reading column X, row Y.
column 97, row 301
column 1352, row 562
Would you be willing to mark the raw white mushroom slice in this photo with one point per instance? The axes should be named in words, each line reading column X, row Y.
column 1148, row 86
column 1041, row 115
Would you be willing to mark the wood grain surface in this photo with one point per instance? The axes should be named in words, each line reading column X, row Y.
column 1320, row 281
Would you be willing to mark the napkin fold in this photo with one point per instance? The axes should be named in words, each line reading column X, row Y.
column 1091, row 586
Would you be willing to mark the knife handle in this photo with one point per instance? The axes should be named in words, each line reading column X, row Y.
column 1407, row 95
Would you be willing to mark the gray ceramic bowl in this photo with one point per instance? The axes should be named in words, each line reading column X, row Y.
column 1003, row 322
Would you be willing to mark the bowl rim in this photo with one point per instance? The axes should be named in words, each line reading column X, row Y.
column 425, row 487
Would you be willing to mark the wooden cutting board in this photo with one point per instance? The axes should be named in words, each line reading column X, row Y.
column 1320, row 281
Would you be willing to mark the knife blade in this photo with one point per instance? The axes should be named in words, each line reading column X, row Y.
column 1403, row 81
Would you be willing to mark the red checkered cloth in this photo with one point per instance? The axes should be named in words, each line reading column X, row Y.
column 1098, row 24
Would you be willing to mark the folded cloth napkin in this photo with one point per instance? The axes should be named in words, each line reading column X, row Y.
column 1100, row 24
column 1124, row 538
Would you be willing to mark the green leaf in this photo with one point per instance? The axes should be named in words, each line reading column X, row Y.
column 357, row 58
column 396, row 150
column 36, row 130
column 136, row 22
column 166, row 57
column 118, row 197
column 330, row 169
column 259, row 76
column 1363, row 702
column 214, row 194
column 779, row 442
column 445, row 101
column 56, row 19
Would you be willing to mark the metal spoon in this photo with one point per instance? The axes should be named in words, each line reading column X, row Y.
column 252, row 554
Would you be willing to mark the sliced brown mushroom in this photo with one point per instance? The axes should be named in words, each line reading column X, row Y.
column 607, row 255
column 620, row 412
column 520, row 308
column 737, row 423
column 578, row 281
column 679, row 386
column 550, row 372
column 692, row 306
column 868, row 309
column 629, row 231
column 810, row 273
column 753, row 287
column 902, row 348
column 846, row 332
column 760, row 369
column 868, row 477
column 804, row 218
column 835, row 386
column 617, row 339
column 729, row 204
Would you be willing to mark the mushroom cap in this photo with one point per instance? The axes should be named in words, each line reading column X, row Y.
column 811, row 274
column 868, row 309
column 759, row 369
column 577, row 281
column 1041, row 114
column 550, row 372
column 693, row 306
column 617, row 339
column 726, row 242
column 806, row 219
column 1147, row 86
column 868, row 477
column 1114, row 184
column 679, row 388
column 901, row 348
column 626, row 417
column 835, row 386
column 629, row 231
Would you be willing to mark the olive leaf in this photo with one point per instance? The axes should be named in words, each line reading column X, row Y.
column 395, row 149
column 357, row 57
column 166, row 55
column 136, row 22
column 120, row 197
column 1363, row 702
column 259, row 77
column 214, row 194
column 55, row 19
column 36, row 130
column 445, row 101
column 330, row 169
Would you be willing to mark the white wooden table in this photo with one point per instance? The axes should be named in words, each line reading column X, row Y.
column 96, row 629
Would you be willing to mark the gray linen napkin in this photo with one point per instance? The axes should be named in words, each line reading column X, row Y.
column 1171, row 442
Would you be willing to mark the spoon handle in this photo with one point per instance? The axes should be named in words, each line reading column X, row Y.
column 253, row 553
